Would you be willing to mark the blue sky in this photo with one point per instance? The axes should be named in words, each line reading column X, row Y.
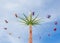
column 42, row 7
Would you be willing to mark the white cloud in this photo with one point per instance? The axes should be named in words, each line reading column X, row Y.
column 23, row 4
column 11, row 6
column 13, row 40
